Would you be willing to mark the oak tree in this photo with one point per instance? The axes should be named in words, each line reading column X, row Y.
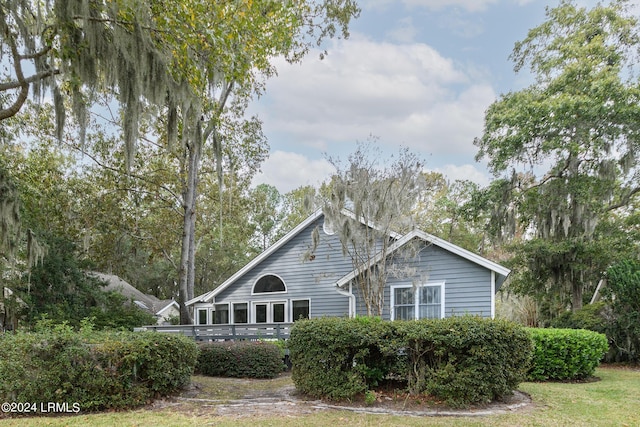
column 567, row 147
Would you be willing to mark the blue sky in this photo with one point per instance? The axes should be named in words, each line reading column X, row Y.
column 414, row 73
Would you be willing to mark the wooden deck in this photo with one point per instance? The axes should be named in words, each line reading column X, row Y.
column 247, row 331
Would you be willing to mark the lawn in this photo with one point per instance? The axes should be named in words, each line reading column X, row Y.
column 613, row 400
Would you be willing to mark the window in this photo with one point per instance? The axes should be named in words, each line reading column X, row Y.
column 404, row 303
column 269, row 312
column 221, row 314
column 278, row 312
column 300, row 309
column 327, row 227
column 426, row 301
column 202, row 316
column 269, row 283
column 240, row 313
column 261, row 313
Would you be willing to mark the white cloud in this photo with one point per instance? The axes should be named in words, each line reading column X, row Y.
column 287, row 171
column 465, row 172
column 468, row 5
column 406, row 94
column 404, row 32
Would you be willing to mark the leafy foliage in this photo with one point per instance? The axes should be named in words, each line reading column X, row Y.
column 462, row 360
column 339, row 358
column 566, row 354
column 567, row 147
column 465, row 360
column 622, row 293
column 97, row 370
column 592, row 317
column 60, row 290
column 9, row 214
column 242, row 359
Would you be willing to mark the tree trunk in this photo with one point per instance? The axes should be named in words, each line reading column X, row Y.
column 187, row 257
column 576, row 296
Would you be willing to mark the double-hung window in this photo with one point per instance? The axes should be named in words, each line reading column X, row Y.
column 420, row 302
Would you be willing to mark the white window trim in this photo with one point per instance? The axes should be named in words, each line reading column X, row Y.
column 208, row 316
column 253, row 287
column 232, row 315
column 416, row 302
column 213, row 310
column 291, row 307
column 270, row 310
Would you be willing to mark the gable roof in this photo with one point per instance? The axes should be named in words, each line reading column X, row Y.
column 448, row 246
column 258, row 259
column 400, row 241
column 145, row 301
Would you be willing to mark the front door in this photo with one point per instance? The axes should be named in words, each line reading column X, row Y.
column 269, row 312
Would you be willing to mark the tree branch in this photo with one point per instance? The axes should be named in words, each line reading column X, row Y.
column 24, row 86
column 39, row 76
column 624, row 201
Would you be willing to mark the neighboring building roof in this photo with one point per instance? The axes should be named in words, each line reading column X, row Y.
column 145, row 301
column 8, row 293
column 400, row 241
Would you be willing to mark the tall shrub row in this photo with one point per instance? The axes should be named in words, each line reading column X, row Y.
column 461, row 360
column 95, row 370
column 243, row 359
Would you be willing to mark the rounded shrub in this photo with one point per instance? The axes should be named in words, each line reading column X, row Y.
column 336, row 358
column 566, row 354
column 461, row 360
column 242, row 359
column 465, row 360
column 96, row 370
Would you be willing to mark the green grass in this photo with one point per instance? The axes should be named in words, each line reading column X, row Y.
column 612, row 401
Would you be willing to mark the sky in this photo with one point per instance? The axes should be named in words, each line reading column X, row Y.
column 417, row 74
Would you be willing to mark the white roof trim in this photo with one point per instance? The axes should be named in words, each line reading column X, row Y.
column 257, row 260
column 475, row 258
column 172, row 303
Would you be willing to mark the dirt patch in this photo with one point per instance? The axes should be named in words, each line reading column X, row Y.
column 244, row 398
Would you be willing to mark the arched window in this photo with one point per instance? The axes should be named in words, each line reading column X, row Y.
column 269, row 283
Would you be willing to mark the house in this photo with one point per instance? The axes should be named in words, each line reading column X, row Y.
column 285, row 282
column 162, row 309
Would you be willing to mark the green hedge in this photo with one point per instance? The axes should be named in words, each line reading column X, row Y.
column 461, row 360
column 465, row 360
column 337, row 358
column 242, row 359
column 96, row 370
column 566, row 354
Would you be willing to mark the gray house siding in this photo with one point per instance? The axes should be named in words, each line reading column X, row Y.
column 467, row 285
column 325, row 278
column 312, row 279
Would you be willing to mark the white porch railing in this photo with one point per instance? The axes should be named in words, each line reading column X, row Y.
column 246, row 331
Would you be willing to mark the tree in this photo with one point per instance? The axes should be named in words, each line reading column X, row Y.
column 576, row 130
column 443, row 210
column 266, row 214
column 9, row 214
column 226, row 60
column 370, row 201
column 297, row 205
column 622, row 293
column 199, row 61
